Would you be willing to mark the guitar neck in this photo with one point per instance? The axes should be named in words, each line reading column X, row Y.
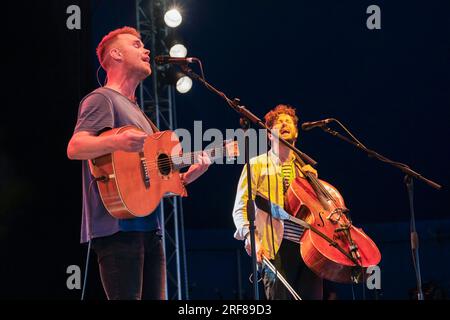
column 190, row 158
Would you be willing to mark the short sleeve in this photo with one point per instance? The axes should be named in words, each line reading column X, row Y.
column 95, row 114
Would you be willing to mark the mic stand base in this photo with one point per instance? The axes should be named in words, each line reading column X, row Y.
column 414, row 237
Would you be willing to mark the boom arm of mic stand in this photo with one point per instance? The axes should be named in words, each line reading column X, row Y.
column 409, row 183
column 244, row 112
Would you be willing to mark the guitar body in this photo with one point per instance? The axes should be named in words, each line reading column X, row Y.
column 131, row 184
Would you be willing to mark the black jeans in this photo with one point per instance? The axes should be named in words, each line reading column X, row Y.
column 290, row 264
column 132, row 265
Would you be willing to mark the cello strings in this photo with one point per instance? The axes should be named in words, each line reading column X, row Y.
column 318, row 186
column 324, row 191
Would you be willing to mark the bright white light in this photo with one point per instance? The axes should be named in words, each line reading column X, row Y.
column 184, row 84
column 173, row 18
column 178, row 51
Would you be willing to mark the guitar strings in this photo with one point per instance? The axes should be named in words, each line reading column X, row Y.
column 168, row 162
column 182, row 158
column 189, row 155
column 174, row 161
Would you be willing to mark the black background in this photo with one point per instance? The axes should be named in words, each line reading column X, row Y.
column 389, row 86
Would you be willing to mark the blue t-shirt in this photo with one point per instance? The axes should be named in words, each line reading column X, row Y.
column 101, row 110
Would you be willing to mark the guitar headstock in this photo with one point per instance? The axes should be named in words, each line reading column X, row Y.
column 231, row 148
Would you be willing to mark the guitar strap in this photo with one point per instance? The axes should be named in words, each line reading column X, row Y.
column 154, row 127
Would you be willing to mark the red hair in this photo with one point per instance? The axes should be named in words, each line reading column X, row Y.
column 273, row 114
column 109, row 39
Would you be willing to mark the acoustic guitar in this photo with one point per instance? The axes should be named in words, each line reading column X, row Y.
column 132, row 184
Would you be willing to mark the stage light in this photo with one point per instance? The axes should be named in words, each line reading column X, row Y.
column 173, row 77
column 184, row 84
column 173, row 18
column 178, row 51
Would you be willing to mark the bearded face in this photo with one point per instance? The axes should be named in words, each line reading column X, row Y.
column 285, row 127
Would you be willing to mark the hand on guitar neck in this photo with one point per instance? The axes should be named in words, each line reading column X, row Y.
column 196, row 170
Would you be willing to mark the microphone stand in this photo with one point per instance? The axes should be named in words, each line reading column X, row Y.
column 247, row 114
column 247, row 117
column 408, row 180
column 250, row 209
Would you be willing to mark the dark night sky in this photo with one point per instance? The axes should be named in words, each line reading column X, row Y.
column 390, row 87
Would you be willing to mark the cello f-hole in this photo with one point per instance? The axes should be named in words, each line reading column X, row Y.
column 321, row 219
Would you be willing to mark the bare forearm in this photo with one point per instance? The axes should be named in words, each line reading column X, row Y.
column 90, row 147
column 196, row 170
column 190, row 176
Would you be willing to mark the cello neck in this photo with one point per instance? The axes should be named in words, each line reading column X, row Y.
column 320, row 190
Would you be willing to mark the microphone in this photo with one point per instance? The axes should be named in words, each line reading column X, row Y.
column 172, row 60
column 310, row 125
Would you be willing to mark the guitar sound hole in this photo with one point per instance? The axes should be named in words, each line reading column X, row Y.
column 164, row 164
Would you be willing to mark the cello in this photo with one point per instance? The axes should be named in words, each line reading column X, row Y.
column 331, row 246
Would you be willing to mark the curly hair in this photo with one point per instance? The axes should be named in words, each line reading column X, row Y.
column 109, row 39
column 273, row 114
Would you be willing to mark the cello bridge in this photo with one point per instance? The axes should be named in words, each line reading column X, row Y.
column 336, row 214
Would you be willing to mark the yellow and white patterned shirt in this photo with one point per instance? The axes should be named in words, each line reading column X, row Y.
column 261, row 177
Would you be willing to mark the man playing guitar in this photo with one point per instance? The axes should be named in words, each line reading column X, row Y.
column 130, row 252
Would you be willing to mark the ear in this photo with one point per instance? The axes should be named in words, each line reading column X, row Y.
column 271, row 136
column 115, row 54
